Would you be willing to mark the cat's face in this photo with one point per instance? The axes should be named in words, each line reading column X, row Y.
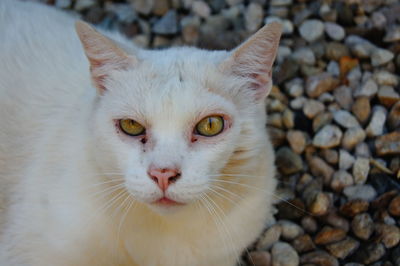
column 169, row 121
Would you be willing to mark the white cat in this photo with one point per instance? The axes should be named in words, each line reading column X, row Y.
column 151, row 158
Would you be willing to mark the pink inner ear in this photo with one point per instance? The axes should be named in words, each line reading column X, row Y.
column 261, row 84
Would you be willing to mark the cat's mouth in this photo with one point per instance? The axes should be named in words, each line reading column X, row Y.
column 165, row 201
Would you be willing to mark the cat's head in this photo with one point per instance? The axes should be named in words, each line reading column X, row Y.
column 170, row 121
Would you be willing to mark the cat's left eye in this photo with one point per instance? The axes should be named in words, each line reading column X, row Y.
column 131, row 127
column 210, row 126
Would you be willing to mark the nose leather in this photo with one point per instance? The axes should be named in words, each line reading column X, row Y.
column 163, row 177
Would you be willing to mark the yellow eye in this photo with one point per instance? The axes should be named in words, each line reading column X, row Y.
column 131, row 127
column 210, row 126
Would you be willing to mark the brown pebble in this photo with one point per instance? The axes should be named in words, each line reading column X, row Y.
column 322, row 119
column 320, row 168
column 394, row 206
column 297, row 140
column 319, row 258
column 362, row 109
column 260, row 258
column 354, row 207
column 388, row 144
column 344, row 248
column 277, row 136
column 335, row 220
column 362, row 226
column 330, row 155
column 329, row 235
column 320, row 205
column 383, row 200
column 389, row 235
column 370, row 253
column 393, row 119
column 303, row 244
column 309, row 224
column 291, row 210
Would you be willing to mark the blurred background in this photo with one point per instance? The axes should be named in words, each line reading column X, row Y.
column 334, row 114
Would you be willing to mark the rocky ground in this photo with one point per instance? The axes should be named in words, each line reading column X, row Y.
column 334, row 114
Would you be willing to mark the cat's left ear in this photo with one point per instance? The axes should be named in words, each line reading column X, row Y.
column 254, row 59
column 103, row 54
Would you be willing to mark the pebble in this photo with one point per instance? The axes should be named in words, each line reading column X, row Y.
column 311, row 30
column 283, row 254
column 389, row 235
column 367, row 89
column 290, row 230
column 388, row 144
column 281, row 2
column 319, row 258
column 360, row 47
column 364, row 192
column 318, row 84
column 346, row 160
column 288, row 162
column 81, row 5
column 321, row 120
column 309, row 224
column 260, row 258
column 381, row 56
column 352, row 137
column 337, row 221
column 370, row 253
column 320, row 205
column 333, row 68
column 388, row 96
column 383, row 77
column 253, row 16
column 345, row 119
column 394, row 206
column 167, row 24
column 269, row 237
column 331, row 156
column 277, row 136
column 201, row 9
column 312, row 107
column 375, row 127
column 143, row 6
column 354, row 207
column 288, row 118
column 275, row 120
column 287, row 25
column 394, row 116
column 343, row 96
column 361, row 170
column 335, row 51
column 328, row 137
column 303, row 244
column 320, row 168
column 343, row 248
column 362, row 226
column 334, row 31
column 362, row 109
column 304, row 55
column 297, row 140
column 329, row 235
column 340, row 180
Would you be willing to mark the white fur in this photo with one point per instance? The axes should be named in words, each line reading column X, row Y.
column 58, row 143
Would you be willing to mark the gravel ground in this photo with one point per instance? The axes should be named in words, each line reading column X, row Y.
column 334, row 114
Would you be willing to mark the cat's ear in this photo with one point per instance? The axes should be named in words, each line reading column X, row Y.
column 103, row 54
column 254, row 59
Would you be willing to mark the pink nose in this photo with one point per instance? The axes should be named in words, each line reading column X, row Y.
column 164, row 176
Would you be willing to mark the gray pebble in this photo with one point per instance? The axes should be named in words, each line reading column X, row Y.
column 284, row 255
column 364, row 192
column 375, row 127
column 167, row 24
column 329, row 136
column 334, row 31
column 311, row 30
column 345, row 119
column 381, row 56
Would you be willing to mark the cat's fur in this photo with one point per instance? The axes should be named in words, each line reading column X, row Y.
column 61, row 153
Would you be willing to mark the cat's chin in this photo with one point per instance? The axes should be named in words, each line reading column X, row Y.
column 165, row 206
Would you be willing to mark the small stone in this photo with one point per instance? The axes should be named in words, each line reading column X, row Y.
column 333, row 68
column 331, row 156
column 360, row 47
column 392, row 34
column 381, row 56
column 363, row 192
column 63, row 3
column 375, row 127
column 318, row 84
column 389, row 235
column 361, row 170
column 233, row 2
column 368, row 89
column 388, row 96
column 161, row 7
column 320, row 168
column 343, row 96
column 201, row 9
column 383, row 200
column 345, row 119
column 287, row 25
column 337, row 221
column 311, row 30
column 394, row 206
column 312, row 107
column 81, row 5
column 328, row 137
column 321, row 120
column 329, row 235
column 334, row 31
column 298, row 103
column 143, row 6
column 281, row 2
column 362, row 109
column 394, row 117
column 383, row 77
column 304, row 55
column 260, row 258
column 354, row 207
column 284, row 255
column 343, row 248
column 370, row 253
column 288, row 162
column 275, row 105
column 269, row 237
column 167, row 24
column 297, row 141
column 320, row 205
column 362, row 226
column 388, row 144
column 340, row 180
column 303, row 244
column 288, row 118
column 291, row 209
column 275, row 120
column 352, row 137
column 253, row 16
column 277, row 136
column 309, row 224
column 290, row 230
column 336, row 51
column 318, row 258
column 378, row 20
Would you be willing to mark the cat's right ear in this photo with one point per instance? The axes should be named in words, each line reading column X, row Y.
column 103, row 54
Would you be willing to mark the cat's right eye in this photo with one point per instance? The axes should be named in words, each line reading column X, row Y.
column 131, row 127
